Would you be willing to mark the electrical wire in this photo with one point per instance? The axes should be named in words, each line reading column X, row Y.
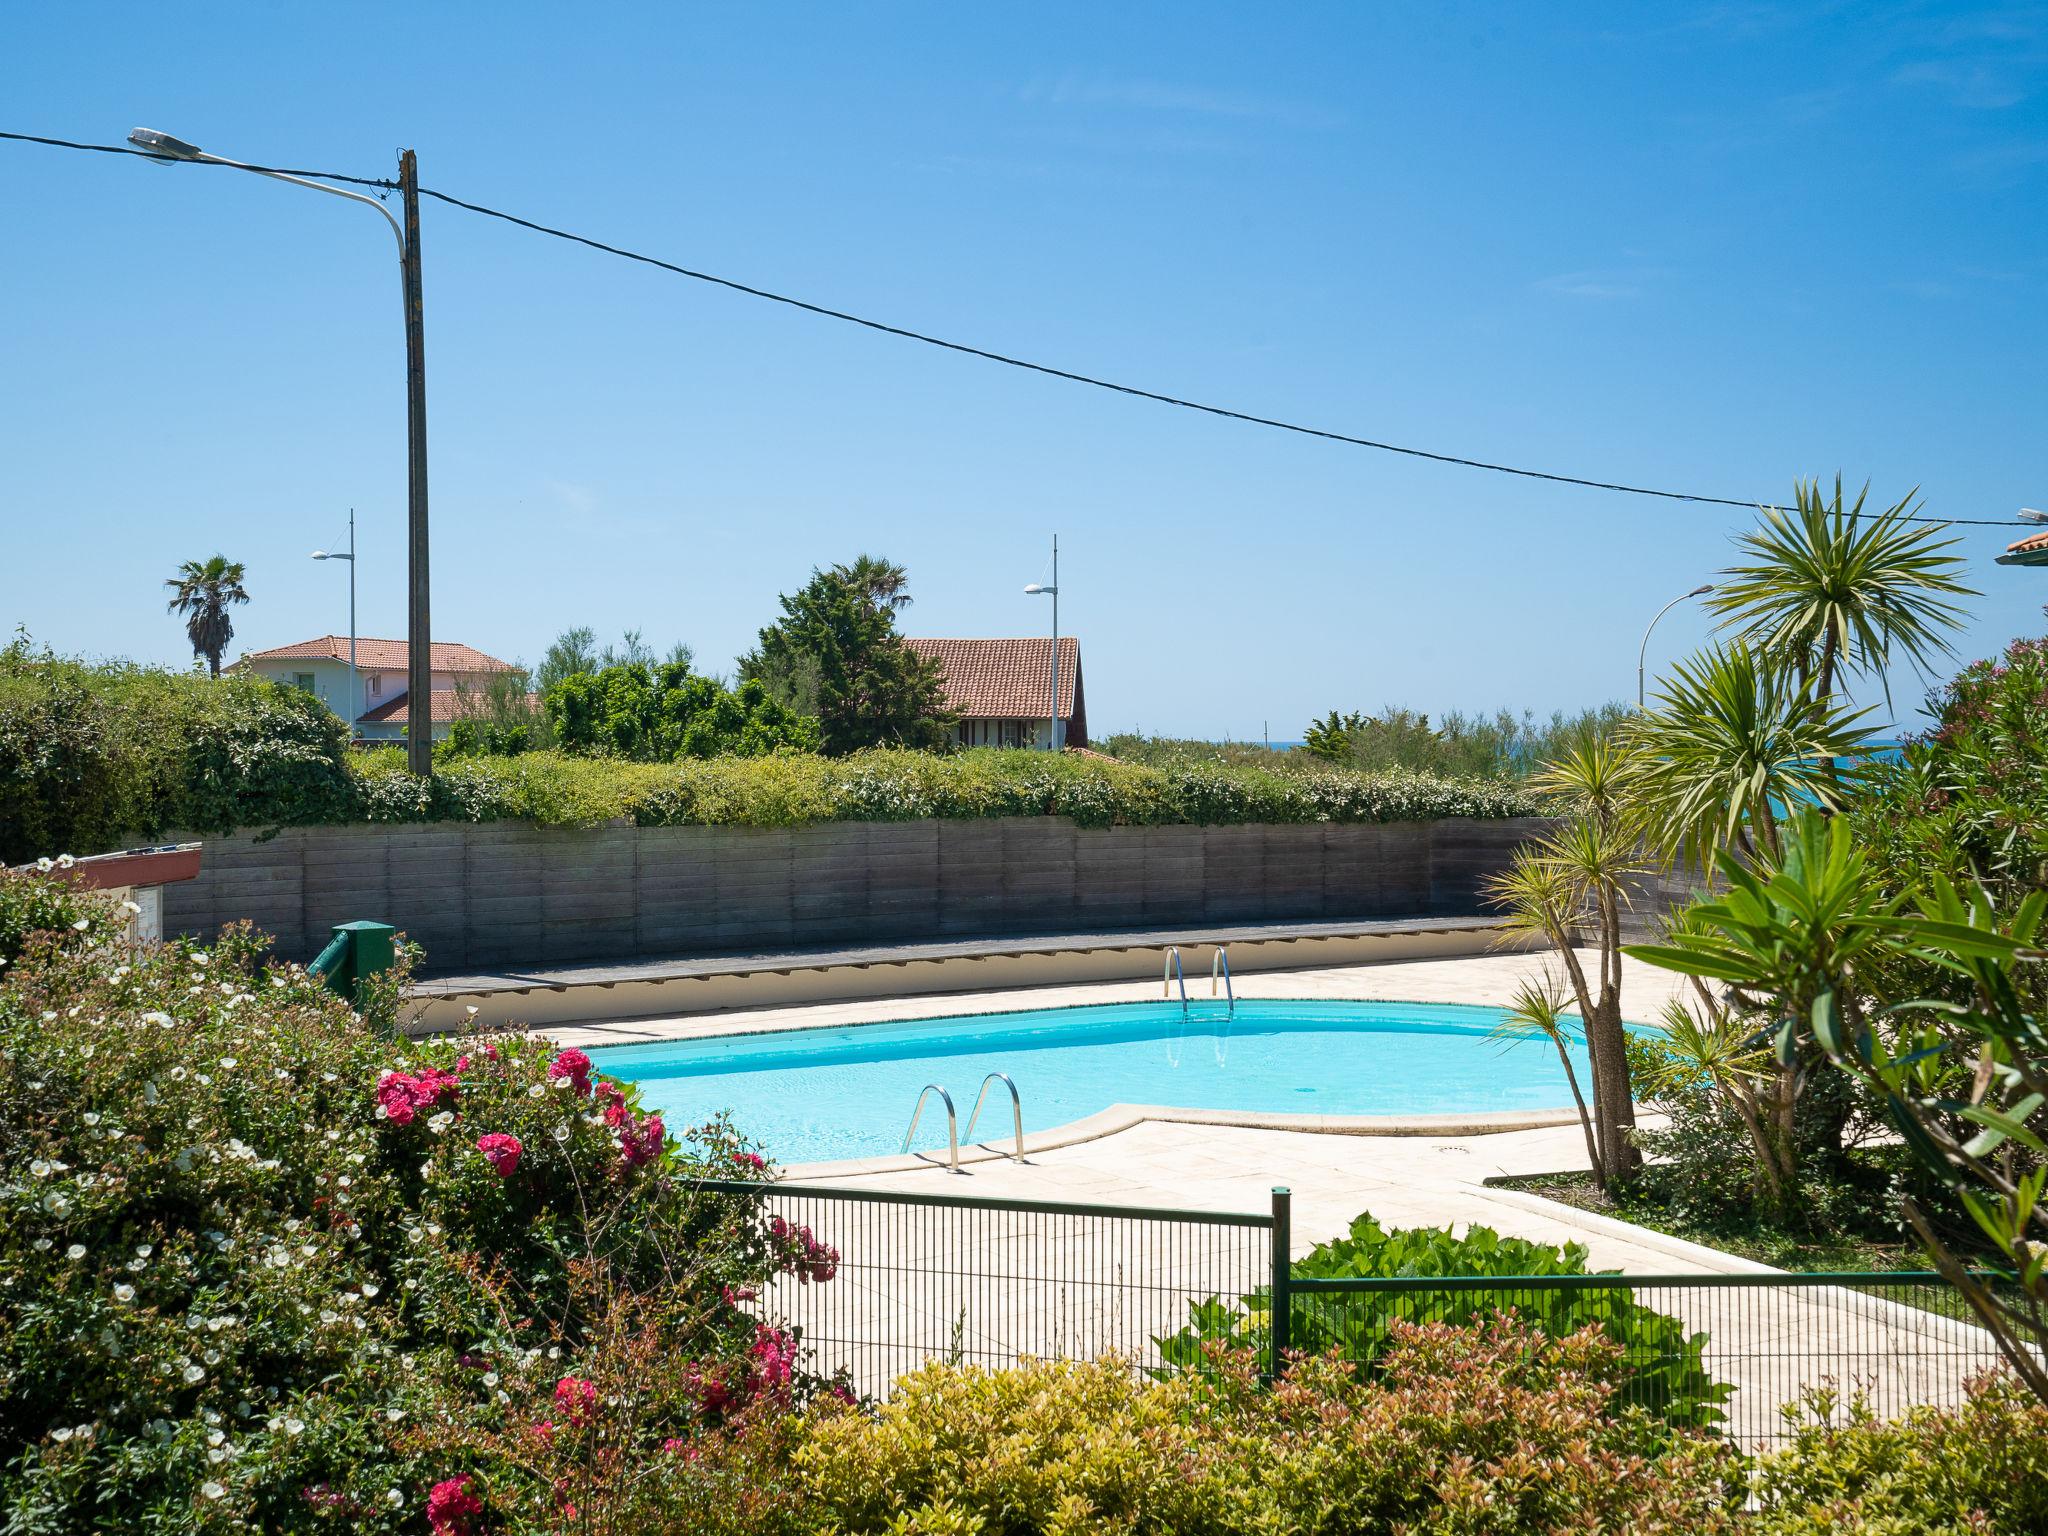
column 1005, row 359
column 1133, row 390
column 240, row 165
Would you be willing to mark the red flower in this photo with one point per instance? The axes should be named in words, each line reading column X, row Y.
column 573, row 1065
column 501, row 1152
column 452, row 1509
column 577, row 1399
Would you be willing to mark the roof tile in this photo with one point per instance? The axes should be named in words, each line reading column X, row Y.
column 1003, row 679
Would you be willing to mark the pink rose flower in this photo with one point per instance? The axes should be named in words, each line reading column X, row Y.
column 501, row 1152
column 452, row 1509
column 573, row 1065
column 577, row 1399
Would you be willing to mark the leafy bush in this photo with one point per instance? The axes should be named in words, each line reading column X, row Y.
column 1981, row 1468
column 95, row 755
column 263, row 1264
column 661, row 713
column 1464, row 1430
column 65, row 916
column 1665, row 1373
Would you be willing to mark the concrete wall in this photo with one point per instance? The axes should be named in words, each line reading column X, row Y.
column 499, row 894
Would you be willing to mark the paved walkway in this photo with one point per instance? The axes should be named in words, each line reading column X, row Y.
column 944, row 1280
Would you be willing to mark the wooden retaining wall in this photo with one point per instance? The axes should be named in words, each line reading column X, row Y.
column 506, row 893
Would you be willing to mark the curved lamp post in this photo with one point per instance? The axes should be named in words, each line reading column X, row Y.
column 354, row 703
column 419, row 744
column 1052, row 590
column 1644, row 651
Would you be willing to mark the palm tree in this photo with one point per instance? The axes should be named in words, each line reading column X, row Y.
column 1537, row 1013
column 881, row 584
column 202, row 591
column 1573, row 883
column 1831, row 591
column 1732, row 742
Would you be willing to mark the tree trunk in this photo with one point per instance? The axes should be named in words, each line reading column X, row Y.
column 1585, row 1120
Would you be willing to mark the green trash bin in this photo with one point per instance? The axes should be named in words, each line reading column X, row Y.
column 356, row 952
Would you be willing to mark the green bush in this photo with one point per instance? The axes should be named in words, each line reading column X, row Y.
column 62, row 914
column 663, row 712
column 1666, row 1373
column 1979, row 1469
column 1472, row 1431
column 265, row 1265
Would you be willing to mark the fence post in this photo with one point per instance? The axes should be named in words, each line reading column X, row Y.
column 1283, row 1294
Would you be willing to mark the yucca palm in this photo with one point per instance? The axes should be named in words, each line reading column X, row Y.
column 1830, row 590
column 1725, row 1051
column 1731, row 743
column 1537, row 1013
column 202, row 591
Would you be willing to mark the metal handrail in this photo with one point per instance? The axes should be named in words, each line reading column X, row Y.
column 1222, row 958
column 952, row 1123
column 1016, row 1109
column 1170, row 973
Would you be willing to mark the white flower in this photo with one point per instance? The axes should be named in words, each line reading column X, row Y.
column 195, row 1373
column 44, row 866
column 561, row 1132
column 369, row 1289
column 535, row 1091
column 391, row 1495
column 75, row 1252
column 161, row 1021
column 228, row 1063
column 91, row 1117
column 295, row 1426
column 490, row 1378
column 81, row 925
column 213, row 1490
column 441, row 1121
column 41, row 1245
column 65, row 861
column 40, row 1167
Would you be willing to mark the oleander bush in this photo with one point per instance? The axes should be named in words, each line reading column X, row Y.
column 1667, row 1375
column 265, row 1264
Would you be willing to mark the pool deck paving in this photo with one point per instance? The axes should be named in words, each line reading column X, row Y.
column 1424, row 1172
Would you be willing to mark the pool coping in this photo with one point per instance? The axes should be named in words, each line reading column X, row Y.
column 1124, row 1117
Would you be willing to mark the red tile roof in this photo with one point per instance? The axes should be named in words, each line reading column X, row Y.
column 448, row 703
column 2028, row 545
column 383, row 655
column 1004, row 679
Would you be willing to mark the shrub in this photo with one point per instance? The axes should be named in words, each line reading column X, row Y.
column 1670, row 1379
column 1982, row 1468
column 664, row 712
column 1464, row 1430
column 46, row 904
column 264, row 1264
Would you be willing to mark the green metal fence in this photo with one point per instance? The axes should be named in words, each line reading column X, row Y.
column 964, row 1278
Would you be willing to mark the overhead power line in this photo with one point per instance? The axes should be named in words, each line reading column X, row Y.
column 143, row 154
column 1005, row 359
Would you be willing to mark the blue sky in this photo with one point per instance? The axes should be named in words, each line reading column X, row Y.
column 1707, row 248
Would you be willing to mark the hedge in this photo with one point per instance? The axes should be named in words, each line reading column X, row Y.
column 92, row 757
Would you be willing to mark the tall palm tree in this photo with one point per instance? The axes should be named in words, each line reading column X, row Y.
column 202, row 591
column 1830, row 590
column 1573, row 886
column 1733, row 741
column 882, row 584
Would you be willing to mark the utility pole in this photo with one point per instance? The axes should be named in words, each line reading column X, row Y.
column 419, row 671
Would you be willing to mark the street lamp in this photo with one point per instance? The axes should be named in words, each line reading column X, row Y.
column 323, row 554
column 1051, row 589
column 1699, row 591
column 419, row 649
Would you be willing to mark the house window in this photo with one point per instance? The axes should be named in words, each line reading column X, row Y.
column 303, row 680
column 376, row 684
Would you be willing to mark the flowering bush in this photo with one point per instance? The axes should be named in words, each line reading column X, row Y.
column 265, row 1265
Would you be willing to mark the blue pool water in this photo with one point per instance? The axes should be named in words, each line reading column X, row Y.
column 817, row 1094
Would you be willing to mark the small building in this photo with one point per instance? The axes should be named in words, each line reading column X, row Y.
column 1000, row 689
column 381, row 712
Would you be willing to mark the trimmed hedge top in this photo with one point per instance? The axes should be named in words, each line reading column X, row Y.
column 95, row 757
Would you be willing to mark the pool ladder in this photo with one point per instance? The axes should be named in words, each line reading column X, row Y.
column 953, row 1118
column 1219, row 969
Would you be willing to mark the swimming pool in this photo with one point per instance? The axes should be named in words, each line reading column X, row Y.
column 818, row 1094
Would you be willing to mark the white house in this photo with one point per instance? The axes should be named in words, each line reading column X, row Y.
column 381, row 712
